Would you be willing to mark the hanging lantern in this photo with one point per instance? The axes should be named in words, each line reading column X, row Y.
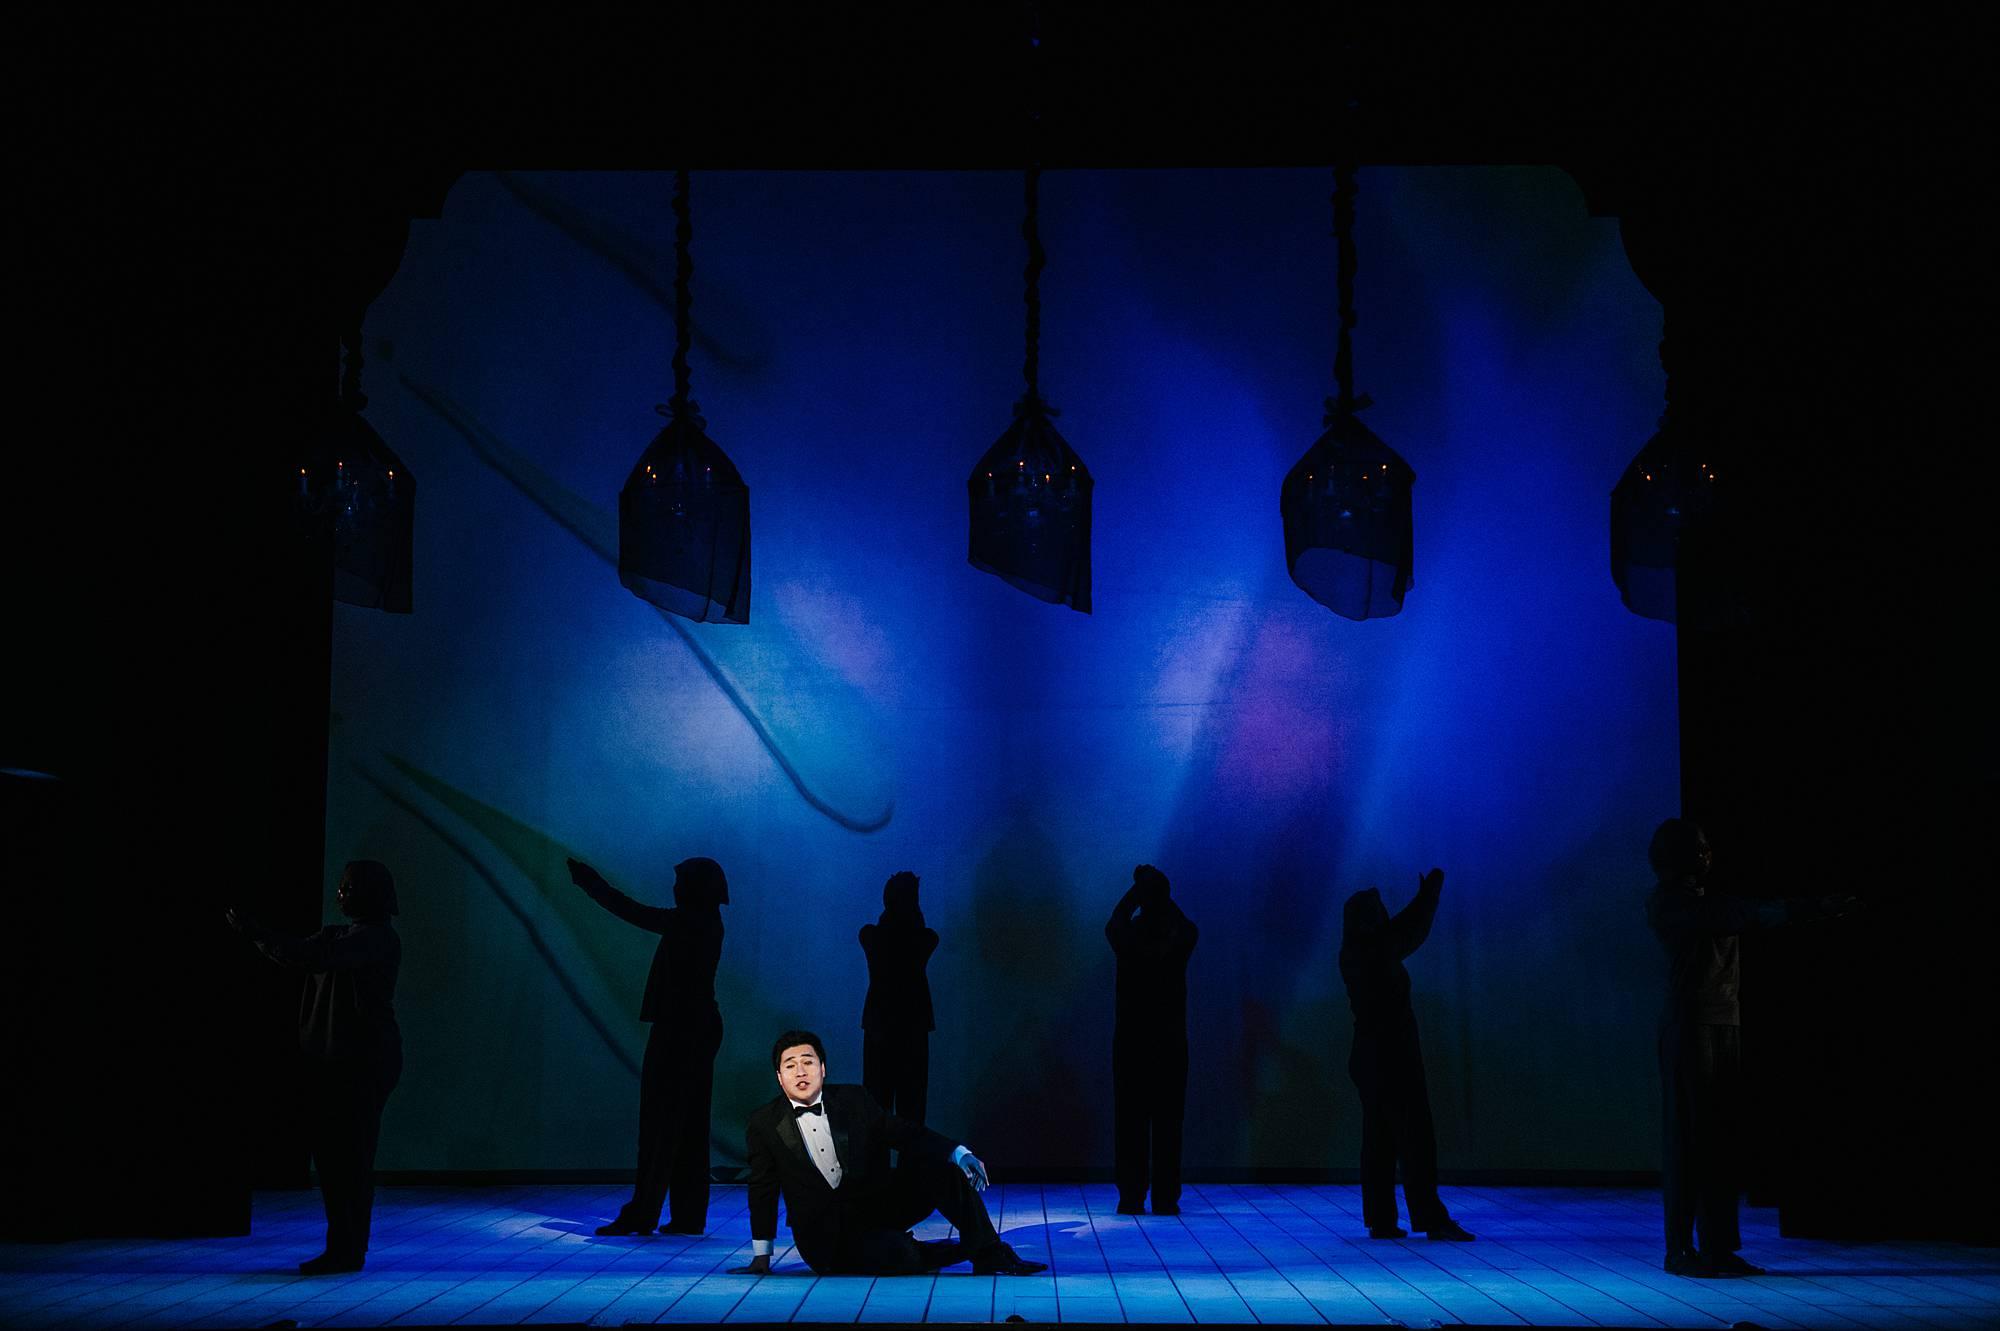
column 1348, row 535
column 1667, row 494
column 1031, row 510
column 1030, row 493
column 684, row 525
column 684, row 514
column 1349, row 539
column 351, row 483
column 1660, row 506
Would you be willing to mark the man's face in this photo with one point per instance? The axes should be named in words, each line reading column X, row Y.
column 1700, row 859
column 800, row 1073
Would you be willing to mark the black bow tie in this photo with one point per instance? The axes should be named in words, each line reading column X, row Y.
column 809, row 1109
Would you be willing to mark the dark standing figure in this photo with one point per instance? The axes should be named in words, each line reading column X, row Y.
column 825, row 1150
column 896, row 1018
column 677, row 1079
column 1387, row 1062
column 1149, row 1049
column 352, row 1046
column 1701, row 1046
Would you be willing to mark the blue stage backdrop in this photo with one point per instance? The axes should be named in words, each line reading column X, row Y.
column 888, row 707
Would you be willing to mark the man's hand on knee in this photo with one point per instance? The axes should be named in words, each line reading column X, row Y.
column 975, row 1172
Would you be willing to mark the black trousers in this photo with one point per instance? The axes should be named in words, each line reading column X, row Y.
column 1396, row 1128
column 1149, row 1071
column 347, row 1101
column 896, row 1070
column 1701, row 1092
column 676, row 1083
column 874, row 1237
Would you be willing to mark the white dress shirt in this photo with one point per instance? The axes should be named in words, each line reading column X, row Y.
column 817, row 1134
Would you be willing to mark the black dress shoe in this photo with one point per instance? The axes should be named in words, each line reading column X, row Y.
column 1170, row 1208
column 999, row 1259
column 671, row 1228
column 329, row 1264
column 1450, row 1231
column 1684, row 1262
column 1131, row 1208
column 621, row 1226
column 1729, row 1264
column 1387, row 1232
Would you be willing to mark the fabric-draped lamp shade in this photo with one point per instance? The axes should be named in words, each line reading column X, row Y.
column 1030, row 511
column 1666, row 496
column 684, row 526
column 1349, row 541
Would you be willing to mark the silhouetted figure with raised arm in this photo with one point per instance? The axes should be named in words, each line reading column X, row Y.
column 824, row 1149
column 1149, row 1049
column 896, row 1018
column 1700, row 1044
column 1387, row 1062
column 677, row 1079
column 352, row 1045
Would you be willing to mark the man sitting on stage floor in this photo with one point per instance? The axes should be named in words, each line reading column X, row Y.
column 826, row 1149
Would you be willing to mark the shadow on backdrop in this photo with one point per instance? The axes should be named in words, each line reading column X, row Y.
column 1152, row 940
column 677, row 1079
column 896, row 1016
column 1387, row 1062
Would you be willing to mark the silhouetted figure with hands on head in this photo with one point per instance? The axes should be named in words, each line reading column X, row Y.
column 1149, row 1049
column 1700, row 1044
column 825, row 1150
column 896, row 1018
column 1387, row 1062
column 677, row 1079
column 352, row 1045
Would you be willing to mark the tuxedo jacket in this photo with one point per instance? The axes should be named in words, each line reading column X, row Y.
column 863, row 1133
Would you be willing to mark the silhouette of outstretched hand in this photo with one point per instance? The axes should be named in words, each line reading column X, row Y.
column 760, row 1265
column 582, row 874
column 1431, row 881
